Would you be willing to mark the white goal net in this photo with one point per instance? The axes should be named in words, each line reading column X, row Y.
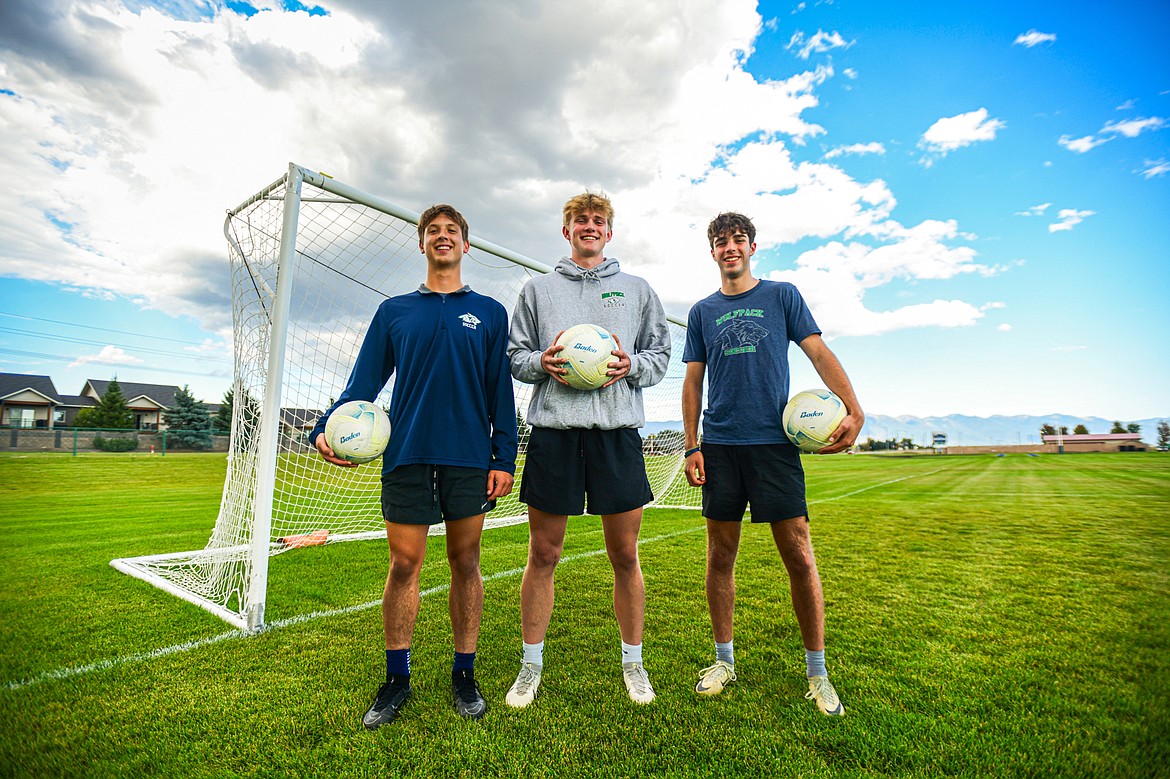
column 311, row 260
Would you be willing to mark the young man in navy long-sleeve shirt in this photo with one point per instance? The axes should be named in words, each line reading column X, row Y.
column 452, row 449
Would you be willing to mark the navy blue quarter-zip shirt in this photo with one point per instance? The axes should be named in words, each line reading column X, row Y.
column 452, row 402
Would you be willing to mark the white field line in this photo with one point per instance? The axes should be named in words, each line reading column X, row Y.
column 79, row 670
column 231, row 635
column 875, row 486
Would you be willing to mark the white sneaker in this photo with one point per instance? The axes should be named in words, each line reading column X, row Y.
column 637, row 682
column 712, row 680
column 821, row 690
column 523, row 690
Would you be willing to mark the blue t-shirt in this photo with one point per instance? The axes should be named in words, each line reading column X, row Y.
column 452, row 402
column 743, row 339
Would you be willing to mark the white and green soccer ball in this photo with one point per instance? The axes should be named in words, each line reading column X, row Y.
column 357, row 431
column 587, row 349
column 810, row 417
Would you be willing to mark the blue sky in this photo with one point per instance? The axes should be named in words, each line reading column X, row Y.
column 973, row 199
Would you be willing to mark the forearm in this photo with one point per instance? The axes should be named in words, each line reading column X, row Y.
column 692, row 405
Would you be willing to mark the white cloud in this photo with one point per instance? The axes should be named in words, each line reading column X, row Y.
column 1127, row 105
column 131, row 132
column 109, row 355
column 1155, row 168
column 955, row 132
column 1132, row 128
column 1128, row 128
column 819, row 42
column 1035, row 210
column 1083, row 144
column 1033, row 38
column 1069, row 218
column 856, row 148
column 1004, row 328
column 835, row 276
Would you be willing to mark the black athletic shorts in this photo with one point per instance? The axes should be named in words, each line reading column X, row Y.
column 429, row 494
column 768, row 476
column 564, row 466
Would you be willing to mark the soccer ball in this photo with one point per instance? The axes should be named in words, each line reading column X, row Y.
column 357, row 431
column 810, row 417
column 587, row 349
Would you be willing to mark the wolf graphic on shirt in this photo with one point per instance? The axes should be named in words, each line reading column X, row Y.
column 741, row 336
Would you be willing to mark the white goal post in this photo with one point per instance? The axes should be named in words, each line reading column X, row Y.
column 311, row 260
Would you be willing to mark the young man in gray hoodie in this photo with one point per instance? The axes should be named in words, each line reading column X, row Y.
column 585, row 443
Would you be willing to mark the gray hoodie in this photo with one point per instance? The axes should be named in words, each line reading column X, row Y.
column 622, row 304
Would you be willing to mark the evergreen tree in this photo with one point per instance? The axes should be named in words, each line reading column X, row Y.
column 221, row 423
column 522, row 428
column 189, row 422
column 1117, row 428
column 1080, row 430
column 1133, row 427
column 1047, row 429
column 1163, row 435
column 111, row 411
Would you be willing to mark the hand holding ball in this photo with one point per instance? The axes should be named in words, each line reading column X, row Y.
column 357, row 431
column 588, row 349
column 810, row 417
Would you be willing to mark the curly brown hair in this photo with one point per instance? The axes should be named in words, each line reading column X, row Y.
column 729, row 223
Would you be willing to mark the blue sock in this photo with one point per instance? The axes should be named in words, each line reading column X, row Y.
column 397, row 662
column 815, row 663
column 464, row 661
column 725, row 651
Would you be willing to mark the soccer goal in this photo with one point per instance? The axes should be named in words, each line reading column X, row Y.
column 311, row 260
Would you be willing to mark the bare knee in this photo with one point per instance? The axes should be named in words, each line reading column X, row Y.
column 623, row 557
column 543, row 556
column 721, row 558
column 464, row 564
column 800, row 562
column 404, row 571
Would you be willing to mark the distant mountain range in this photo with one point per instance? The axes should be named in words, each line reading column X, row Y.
column 964, row 430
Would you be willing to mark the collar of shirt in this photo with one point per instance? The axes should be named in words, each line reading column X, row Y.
column 423, row 289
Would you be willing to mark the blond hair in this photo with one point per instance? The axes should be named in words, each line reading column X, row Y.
column 587, row 201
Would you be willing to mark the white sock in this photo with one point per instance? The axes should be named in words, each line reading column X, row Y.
column 725, row 652
column 815, row 663
column 534, row 653
column 631, row 653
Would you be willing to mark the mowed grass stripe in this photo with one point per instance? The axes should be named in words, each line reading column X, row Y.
column 975, row 627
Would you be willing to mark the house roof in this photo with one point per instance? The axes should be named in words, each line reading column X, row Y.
column 14, row 383
column 300, row 417
column 160, row 394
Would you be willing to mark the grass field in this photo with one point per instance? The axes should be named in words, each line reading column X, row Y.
column 986, row 616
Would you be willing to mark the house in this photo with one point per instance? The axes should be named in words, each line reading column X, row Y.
column 1098, row 442
column 147, row 402
column 297, row 423
column 29, row 401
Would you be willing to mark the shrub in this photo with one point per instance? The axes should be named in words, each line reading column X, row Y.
column 115, row 444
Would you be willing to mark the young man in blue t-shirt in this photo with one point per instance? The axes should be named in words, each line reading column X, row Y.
column 452, row 449
column 739, row 338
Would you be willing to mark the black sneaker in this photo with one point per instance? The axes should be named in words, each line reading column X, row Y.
column 393, row 693
column 469, row 702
